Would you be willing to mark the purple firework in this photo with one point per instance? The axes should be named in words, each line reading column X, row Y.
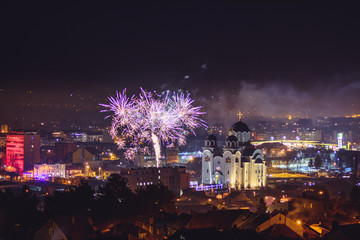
column 150, row 118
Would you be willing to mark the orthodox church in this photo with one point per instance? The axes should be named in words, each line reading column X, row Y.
column 237, row 165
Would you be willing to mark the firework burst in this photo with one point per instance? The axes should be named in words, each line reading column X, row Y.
column 150, row 118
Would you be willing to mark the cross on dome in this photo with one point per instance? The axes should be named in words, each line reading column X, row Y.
column 240, row 115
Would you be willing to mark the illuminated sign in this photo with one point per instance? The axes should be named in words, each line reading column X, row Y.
column 340, row 139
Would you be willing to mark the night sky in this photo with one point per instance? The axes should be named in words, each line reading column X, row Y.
column 264, row 59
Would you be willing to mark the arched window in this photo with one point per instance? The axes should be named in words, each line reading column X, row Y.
column 228, row 160
column 237, row 160
column 207, row 159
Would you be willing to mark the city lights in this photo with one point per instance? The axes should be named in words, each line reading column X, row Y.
column 209, row 120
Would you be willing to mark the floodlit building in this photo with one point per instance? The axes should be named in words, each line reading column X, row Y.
column 86, row 154
column 310, row 134
column 95, row 137
column 22, row 151
column 46, row 171
column 4, row 128
column 237, row 165
column 172, row 155
column 78, row 136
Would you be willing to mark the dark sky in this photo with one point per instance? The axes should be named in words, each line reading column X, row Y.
column 308, row 50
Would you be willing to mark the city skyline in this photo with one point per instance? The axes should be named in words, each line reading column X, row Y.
column 178, row 121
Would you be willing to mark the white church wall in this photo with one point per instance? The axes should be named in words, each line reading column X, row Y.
column 218, row 166
column 246, row 169
column 207, row 167
column 252, row 173
column 258, row 178
column 258, row 169
column 264, row 175
column 228, row 167
column 237, row 170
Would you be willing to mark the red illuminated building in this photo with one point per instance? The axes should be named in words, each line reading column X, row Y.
column 22, row 151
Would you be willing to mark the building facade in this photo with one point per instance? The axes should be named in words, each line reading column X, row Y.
column 176, row 179
column 237, row 165
column 22, row 151
column 47, row 171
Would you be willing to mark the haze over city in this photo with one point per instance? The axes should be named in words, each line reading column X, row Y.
column 235, row 57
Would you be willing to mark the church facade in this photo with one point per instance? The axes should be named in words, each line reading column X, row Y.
column 237, row 165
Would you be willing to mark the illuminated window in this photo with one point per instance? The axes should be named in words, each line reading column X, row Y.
column 228, row 160
column 207, row 159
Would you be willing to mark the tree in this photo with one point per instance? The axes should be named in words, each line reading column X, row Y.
column 311, row 163
column 154, row 198
column 72, row 201
column 20, row 214
column 317, row 162
column 116, row 187
column 355, row 195
column 116, row 200
column 261, row 206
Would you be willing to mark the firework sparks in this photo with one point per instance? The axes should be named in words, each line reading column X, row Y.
column 150, row 118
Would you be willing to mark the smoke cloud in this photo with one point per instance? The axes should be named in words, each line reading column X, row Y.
column 279, row 100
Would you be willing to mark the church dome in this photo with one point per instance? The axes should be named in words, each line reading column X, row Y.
column 232, row 142
column 240, row 127
column 211, row 137
column 232, row 138
column 211, row 141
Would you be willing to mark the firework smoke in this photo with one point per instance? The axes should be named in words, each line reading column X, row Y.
column 156, row 143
